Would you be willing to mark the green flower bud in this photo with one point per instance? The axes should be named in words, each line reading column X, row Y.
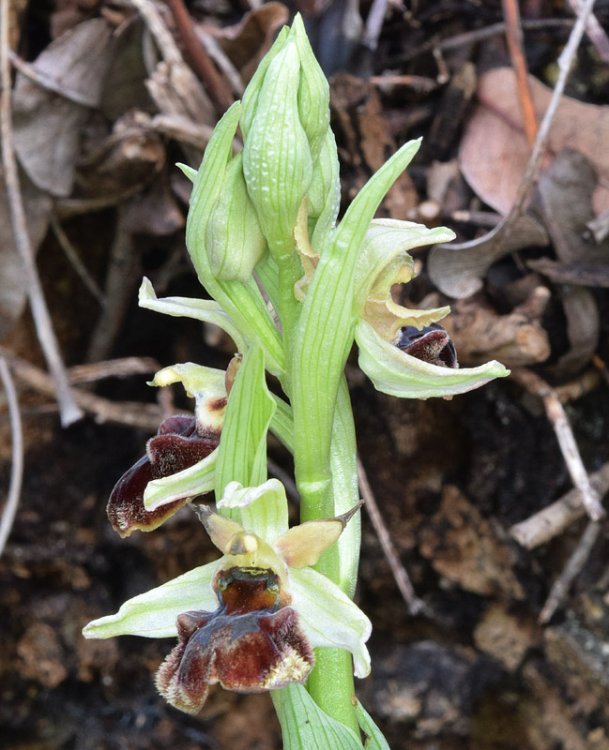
column 277, row 160
column 235, row 242
column 313, row 91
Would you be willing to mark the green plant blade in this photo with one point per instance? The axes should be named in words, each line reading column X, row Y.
column 304, row 726
column 374, row 737
column 242, row 449
column 198, row 479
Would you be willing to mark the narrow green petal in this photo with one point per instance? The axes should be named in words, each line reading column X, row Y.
column 198, row 479
column 304, row 726
column 396, row 373
column 329, row 617
column 154, row 614
column 204, row 310
column 264, row 509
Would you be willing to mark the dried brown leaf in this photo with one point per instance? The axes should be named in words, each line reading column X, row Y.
column 494, row 151
column 248, row 41
column 48, row 116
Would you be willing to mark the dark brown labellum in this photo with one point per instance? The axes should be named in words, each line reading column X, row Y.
column 430, row 344
column 249, row 644
column 177, row 446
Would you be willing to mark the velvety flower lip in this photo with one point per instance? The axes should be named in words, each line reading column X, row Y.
column 177, row 446
column 431, row 344
column 249, row 644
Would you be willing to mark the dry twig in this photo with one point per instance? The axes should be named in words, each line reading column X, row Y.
column 548, row 523
column 595, row 32
column 574, row 566
column 414, row 604
column 44, row 328
column 14, row 491
column 74, row 259
column 121, row 280
column 564, row 434
column 374, row 23
column 515, row 42
column 133, row 414
column 199, row 59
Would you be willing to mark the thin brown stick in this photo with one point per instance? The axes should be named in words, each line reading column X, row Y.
column 564, row 434
column 74, row 259
column 133, row 414
column 601, row 367
column 515, row 42
column 69, row 410
column 14, row 491
column 548, row 523
column 573, row 568
column 200, row 61
column 404, row 584
column 121, row 281
column 480, row 35
column 123, row 367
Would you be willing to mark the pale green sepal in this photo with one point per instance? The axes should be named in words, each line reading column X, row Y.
column 153, row 614
column 205, row 384
column 242, row 450
column 329, row 617
column 205, row 310
column 264, row 509
column 313, row 90
column 241, row 300
column 198, row 479
column 235, row 241
column 249, row 100
column 323, row 198
column 277, row 160
column 396, row 373
column 187, row 171
column 207, row 187
column 374, row 737
column 345, row 488
column 384, row 255
column 304, row 726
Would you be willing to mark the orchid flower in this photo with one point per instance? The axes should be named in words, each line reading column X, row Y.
column 251, row 619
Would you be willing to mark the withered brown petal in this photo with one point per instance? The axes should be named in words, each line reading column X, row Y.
column 171, row 453
column 248, row 653
column 430, row 344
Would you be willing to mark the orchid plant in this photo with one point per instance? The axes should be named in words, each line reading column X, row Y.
column 294, row 290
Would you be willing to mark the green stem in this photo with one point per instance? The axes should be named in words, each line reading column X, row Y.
column 331, row 685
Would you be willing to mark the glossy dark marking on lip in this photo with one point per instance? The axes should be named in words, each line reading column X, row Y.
column 430, row 344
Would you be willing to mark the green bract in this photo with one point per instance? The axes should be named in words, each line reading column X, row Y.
column 294, row 290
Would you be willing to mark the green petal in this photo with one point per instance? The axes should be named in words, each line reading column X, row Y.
column 198, row 479
column 329, row 617
column 394, row 372
column 204, row 310
column 264, row 509
column 384, row 253
column 154, row 614
column 304, row 726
